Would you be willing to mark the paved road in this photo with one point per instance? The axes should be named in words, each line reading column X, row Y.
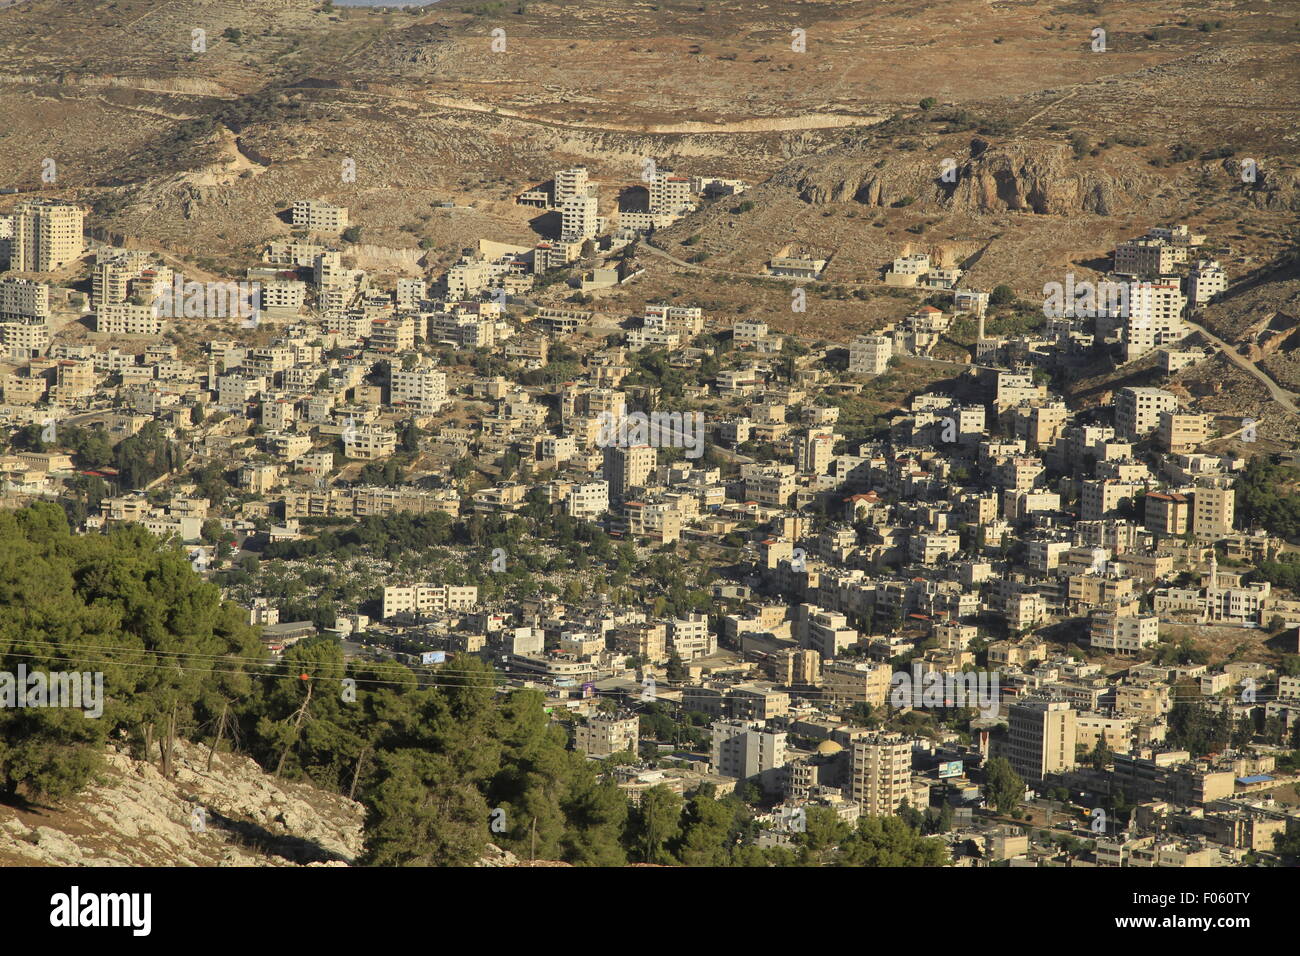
column 1280, row 395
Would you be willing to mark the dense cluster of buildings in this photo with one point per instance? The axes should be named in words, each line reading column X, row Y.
column 939, row 546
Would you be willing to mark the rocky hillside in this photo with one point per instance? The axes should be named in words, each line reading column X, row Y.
column 1016, row 176
column 135, row 817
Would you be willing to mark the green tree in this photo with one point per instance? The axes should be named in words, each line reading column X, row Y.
column 1002, row 787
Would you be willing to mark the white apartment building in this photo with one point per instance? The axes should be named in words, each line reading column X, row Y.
column 627, row 467
column 588, row 500
column 47, row 235
column 579, row 219
column 742, row 749
column 1147, row 256
column 1101, row 498
column 1041, row 738
column 570, row 183
column 126, row 318
column 1153, row 316
column 22, row 300
column 410, row 293
column 747, row 333
column 684, row 320
column 1137, row 410
column 423, row 389
column 870, row 354
column 690, row 637
column 882, row 773
column 319, row 216
column 1205, row 280
column 1121, row 631
column 916, row 264
column 605, row 734
column 670, row 195
column 1213, row 512
column 558, row 448
column 770, row 485
column 369, row 442
column 25, row 339
column 429, row 599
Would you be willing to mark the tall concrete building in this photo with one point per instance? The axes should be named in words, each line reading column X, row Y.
column 606, row 734
column 628, row 467
column 870, row 354
column 882, row 773
column 47, row 235
column 742, row 749
column 569, row 183
column 423, row 389
column 578, row 219
column 1041, row 738
column 1137, row 410
column 669, row 194
column 1181, row 433
column 1213, row 512
column 815, row 450
column 24, row 300
column 319, row 216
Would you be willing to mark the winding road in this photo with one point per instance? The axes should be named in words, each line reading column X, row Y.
column 1279, row 394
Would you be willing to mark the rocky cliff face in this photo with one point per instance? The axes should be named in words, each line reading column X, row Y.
column 1042, row 178
column 234, row 815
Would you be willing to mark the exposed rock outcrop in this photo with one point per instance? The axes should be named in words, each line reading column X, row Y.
column 1042, row 178
column 234, row 815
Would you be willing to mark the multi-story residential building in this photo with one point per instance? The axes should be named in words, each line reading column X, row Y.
column 428, row 599
column 1123, row 630
column 1104, row 497
column 1213, row 512
column 318, row 216
column 423, row 388
column 670, row 195
column 770, row 485
column 126, row 318
column 369, row 442
column 24, row 301
column 747, row 333
column 814, row 450
column 588, row 500
column 1180, row 433
column 870, row 354
column 579, row 219
column 690, row 637
column 1041, row 738
column 47, row 235
column 742, row 749
column 1146, row 257
column 605, row 734
column 627, row 467
column 1205, row 280
column 850, row 682
column 1137, row 410
column 882, row 773
column 1167, row 513
column 648, row 641
column 569, row 184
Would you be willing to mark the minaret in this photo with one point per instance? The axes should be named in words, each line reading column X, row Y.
column 1212, row 587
